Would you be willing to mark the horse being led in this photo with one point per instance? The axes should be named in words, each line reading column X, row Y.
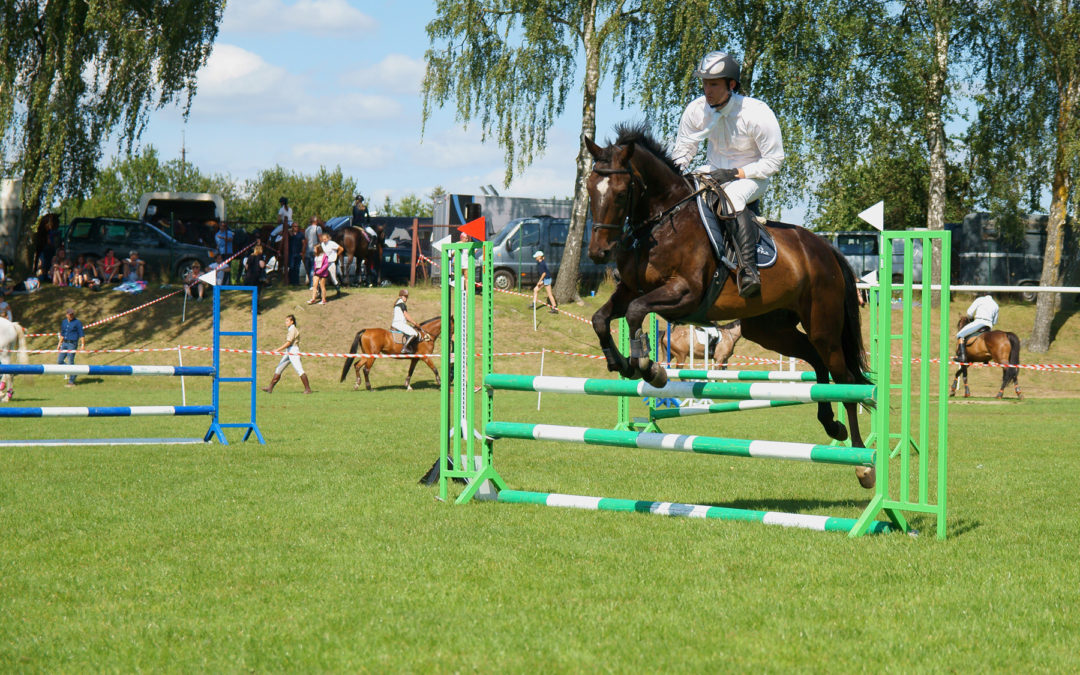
column 644, row 215
column 12, row 338
column 685, row 346
column 382, row 341
column 359, row 247
column 998, row 346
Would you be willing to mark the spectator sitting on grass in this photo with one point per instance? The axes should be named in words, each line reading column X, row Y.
column 192, row 285
column 59, row 271
column 109, row 268
column 133, row 267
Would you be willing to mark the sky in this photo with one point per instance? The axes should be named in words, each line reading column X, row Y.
column 310, row 83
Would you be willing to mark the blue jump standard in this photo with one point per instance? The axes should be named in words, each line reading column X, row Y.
column 49, row 369
column 109, row 411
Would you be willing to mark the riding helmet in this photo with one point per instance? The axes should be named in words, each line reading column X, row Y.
column 715, row 65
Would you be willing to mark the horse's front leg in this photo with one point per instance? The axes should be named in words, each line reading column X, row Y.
column 614, row 308
column 674, row 298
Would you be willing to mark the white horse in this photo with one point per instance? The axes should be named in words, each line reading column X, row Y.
column 12, row 338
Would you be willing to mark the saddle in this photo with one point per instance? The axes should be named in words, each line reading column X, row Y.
column 723, row 244
column 968, row 339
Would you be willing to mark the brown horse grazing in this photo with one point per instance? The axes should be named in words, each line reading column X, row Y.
column 381, row 341
column 683, row 343
column 359, row 247
column 997, row 346
column 644, row 215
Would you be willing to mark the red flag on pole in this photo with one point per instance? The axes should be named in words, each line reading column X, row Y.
column 477, row 229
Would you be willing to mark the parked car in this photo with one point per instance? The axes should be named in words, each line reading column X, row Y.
column 861, row 251
column 92, row 237
column 396, row 264
column 514, row 245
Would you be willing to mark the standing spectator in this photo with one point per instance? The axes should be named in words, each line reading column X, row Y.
column 322, row 265
column 360, row 215
column 253, row 270
column 296, row 253
column 223, row 243
column 292, row 355
column 331, row 248
column 46, row 241
column 284, row 214
column 311, row 243
column 109, row 268
column 220, row 269
column 543, row 282
column 134, row 267
column 60, row 268
column 71, row 337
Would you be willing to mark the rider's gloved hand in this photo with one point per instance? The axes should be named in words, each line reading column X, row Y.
column 725, row 175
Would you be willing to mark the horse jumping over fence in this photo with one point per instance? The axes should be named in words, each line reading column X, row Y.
column 381, row 341
column 12, row 339
column 997, row 346
column 645, row 217
column 685, row 347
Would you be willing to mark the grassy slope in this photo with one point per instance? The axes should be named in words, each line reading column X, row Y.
column 319, row 551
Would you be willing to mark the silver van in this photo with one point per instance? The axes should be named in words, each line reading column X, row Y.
column 514, row 245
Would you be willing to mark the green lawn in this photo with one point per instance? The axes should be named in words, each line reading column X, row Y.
column 319, row 551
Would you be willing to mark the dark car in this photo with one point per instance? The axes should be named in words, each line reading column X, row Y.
column 396, row 264
column 93, row 237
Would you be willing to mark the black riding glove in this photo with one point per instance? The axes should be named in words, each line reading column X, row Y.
column 725, row 175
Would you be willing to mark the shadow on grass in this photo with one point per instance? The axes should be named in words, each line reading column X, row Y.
column 787, row 505
column 1068, row 309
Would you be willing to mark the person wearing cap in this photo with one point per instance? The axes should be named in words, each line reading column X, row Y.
column 543, row 282
column 745, row 150
column 72, row 337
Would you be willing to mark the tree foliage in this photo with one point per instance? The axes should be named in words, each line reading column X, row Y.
column 74, row 72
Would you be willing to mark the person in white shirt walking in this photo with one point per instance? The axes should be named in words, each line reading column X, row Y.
column 745, row 150
column 291, row 347
column 331, row 249
column 984, row 314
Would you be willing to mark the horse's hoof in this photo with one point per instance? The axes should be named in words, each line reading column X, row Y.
column 867, row 476
column 408, row 388
column 657, row 376
column 1000, row 395
column 952, row 392
column 836, row 431
column 356, row 387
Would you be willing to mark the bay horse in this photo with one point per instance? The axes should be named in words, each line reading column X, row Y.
column 381, row 341
column 358, row 246
column 12, row 339
column 645, row 217
column 684, row 342
column 997, row 346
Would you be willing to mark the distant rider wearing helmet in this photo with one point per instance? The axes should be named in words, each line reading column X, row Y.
column 744, row 150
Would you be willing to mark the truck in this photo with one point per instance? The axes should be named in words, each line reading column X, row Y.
column 449, row 211
column 189, row 207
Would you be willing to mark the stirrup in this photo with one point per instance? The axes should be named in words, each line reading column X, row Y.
column 753, row 282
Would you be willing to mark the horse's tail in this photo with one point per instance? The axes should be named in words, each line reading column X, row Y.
column 21, row 333
column 352, row 350
column 851, row 341
column 1013, row 374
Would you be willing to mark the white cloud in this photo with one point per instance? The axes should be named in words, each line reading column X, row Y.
column 396, row 73
column 236, row 83
column 348, row 155
column 317, row 17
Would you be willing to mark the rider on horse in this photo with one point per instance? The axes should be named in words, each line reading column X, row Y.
column 404, row 323
column 984, row 314
column 744, row 150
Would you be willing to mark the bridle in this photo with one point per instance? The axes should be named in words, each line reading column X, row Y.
column 630, row 198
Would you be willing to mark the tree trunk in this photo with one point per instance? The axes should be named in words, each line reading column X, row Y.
column 566, row 283
column 1055, row 226
column 935, row 207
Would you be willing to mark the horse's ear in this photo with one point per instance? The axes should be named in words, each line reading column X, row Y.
column 594, row 149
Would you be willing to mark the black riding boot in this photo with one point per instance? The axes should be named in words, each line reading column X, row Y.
column 746, row 236
column 962, row 350
column 410, row 345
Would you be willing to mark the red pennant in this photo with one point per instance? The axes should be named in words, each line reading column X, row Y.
column 476, row 229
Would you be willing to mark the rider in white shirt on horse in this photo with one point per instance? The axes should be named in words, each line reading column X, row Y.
column 745, row 150
column 984, row 314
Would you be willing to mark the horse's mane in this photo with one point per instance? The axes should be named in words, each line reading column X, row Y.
column 639, row 134
column 435, row 318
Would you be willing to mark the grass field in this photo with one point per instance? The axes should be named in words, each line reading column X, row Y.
column 319, row 551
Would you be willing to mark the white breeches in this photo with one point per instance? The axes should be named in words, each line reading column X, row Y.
column 745, row 190
column 972, row 327
column 292, row 357
column 404, row 328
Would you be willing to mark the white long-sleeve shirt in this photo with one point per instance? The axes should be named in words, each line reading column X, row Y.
column 984, row 309
column 744, row 134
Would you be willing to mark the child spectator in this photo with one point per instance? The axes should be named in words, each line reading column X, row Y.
column 109, row 268
column 133, row 267
column 192, row 285
column 60, row 268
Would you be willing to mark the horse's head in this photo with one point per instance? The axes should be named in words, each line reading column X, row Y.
column 610, row 186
